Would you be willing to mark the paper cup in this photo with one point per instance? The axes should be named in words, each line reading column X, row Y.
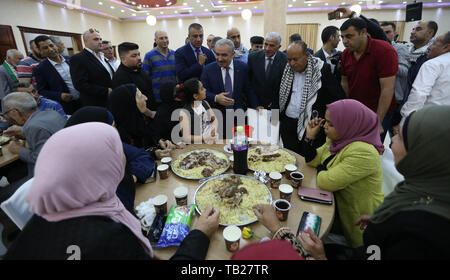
column 166, row 160
column 232, row 235
column 181, row 195
column 286, row 192
column 296, row 179
column 275, row 179
column 288, row 169
column 163, row 171
column 282, row 208
column 160, row 203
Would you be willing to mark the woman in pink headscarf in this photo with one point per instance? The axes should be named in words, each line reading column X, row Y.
column 349, row 163
column 78, row 215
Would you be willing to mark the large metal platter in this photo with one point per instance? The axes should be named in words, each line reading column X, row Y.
column 187, row 153
column 284, row 149
column 268, row 197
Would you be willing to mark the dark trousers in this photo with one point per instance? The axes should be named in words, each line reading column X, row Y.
column 288, row 131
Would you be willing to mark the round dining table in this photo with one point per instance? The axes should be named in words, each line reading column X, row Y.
column 217, row 249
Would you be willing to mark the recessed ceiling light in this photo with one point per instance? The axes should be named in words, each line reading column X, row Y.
column 123, row 11
column 309, row 5
column 133, row 15
column 206, row 10
column 290, row 5
column 326, row 4
column 162, row 13
column 100, row 3
column 112, row 7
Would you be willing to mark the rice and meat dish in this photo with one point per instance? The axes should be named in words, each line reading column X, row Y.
column 234, row 196
column 201, row 164
column 269, row 158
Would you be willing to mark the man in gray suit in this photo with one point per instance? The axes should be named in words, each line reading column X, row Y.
column 265, row 68
column 9, row 79
column 20, row 109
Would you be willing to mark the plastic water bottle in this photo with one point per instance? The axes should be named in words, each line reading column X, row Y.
column 240, row 150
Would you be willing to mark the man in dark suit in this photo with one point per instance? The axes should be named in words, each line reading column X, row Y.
column 53, row 76
column 91, row 73
column 192, row 57
column 226, row 82
column 265, row 68
column 328, row 53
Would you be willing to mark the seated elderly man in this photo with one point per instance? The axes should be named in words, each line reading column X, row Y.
column 21, row 109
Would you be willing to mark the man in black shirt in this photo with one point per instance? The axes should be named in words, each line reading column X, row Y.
column 130, row 72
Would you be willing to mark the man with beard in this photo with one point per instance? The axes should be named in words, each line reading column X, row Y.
column 130, row 72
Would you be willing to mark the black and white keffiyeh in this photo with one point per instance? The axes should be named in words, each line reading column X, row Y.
column 312, row 85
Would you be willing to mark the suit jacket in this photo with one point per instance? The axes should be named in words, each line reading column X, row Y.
column 243, row 94
column 50, row 84
column 36, row 130
column 187, row 65
column 337, row 70
column 90, row 78
column 7, row 84
column 266, row 89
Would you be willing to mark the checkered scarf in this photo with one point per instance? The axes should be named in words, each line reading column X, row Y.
column 312, row 85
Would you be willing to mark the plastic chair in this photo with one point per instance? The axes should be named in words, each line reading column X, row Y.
column 17, row 208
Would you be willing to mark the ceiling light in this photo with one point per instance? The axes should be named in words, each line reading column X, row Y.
column 357, row 8
column 112, row 7
column 100, row 3
column 151, row 20
column 290, row 5
column 246, row 14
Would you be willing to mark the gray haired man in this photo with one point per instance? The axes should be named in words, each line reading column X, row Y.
column 265, row 69
column 9, row 78
column 20, row 109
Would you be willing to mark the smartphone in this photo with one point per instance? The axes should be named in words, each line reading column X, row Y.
column 309, row 220
column 315, row 195
column 333, row 15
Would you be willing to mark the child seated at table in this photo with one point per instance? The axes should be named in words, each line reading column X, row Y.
column 198, row 122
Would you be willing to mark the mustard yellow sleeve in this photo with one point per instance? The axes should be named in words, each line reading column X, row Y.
column 354, row 165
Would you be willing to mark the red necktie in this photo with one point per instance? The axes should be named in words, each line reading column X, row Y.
column 197, row 51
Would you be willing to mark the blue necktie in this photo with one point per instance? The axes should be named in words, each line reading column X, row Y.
column 228, row 85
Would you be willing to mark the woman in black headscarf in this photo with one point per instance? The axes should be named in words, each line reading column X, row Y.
column 171, row 100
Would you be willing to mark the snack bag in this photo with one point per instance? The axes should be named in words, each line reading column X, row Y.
column 177, row 226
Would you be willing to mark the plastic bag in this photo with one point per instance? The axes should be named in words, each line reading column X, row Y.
column 177, row 226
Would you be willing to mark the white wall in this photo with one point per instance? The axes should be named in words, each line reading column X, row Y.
column 177, row 29
column 34, row 14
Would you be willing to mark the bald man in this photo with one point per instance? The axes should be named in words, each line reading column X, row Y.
column 241, row 52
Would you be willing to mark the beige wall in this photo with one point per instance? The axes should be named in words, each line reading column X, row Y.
column 34, row 14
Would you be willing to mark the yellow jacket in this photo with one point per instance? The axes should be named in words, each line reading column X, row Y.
column 355, row 177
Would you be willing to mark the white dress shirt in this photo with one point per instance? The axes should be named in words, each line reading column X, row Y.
column 101, row 57
column 64, row 71
column 115, row 63
column 267, row 60
column 328, row 60
column 293, row 109
column 430, row 87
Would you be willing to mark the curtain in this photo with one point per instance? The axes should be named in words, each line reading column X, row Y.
column 308, row 31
